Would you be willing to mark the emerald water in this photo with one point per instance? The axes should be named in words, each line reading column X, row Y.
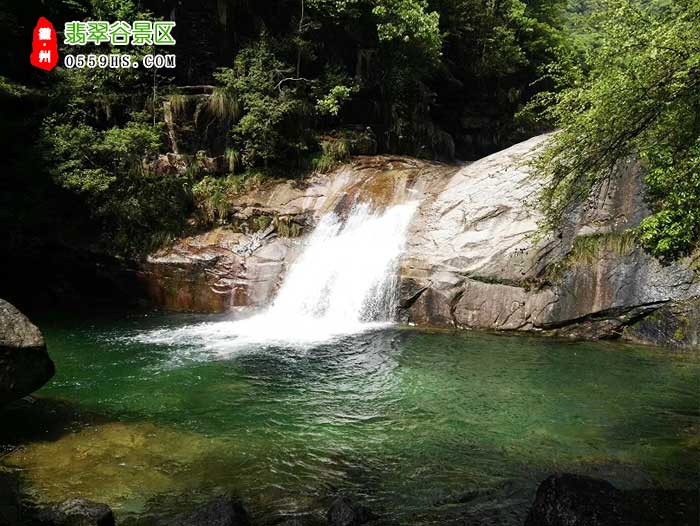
column 425, row 427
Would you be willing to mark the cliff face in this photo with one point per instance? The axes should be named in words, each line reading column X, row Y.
column 474, row 256
column 475, row 259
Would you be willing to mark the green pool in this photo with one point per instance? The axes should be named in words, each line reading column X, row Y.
column 425, row 427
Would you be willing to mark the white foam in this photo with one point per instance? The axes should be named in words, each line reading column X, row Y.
column 344, row 282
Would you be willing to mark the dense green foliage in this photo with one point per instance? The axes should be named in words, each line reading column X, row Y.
column 101, row 140
column 639, row 95
column 298, row 85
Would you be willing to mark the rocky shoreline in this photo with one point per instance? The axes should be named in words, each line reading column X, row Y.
column 563, row 499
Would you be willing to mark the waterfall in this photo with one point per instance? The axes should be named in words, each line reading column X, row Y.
column 347, row 274
column 343, row 282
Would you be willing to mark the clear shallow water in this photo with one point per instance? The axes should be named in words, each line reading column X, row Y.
column 428, row 428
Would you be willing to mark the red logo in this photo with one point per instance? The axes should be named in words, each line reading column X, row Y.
column 44, row 47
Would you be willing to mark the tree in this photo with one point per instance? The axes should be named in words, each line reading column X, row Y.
column 640, row 98
column 100, row 140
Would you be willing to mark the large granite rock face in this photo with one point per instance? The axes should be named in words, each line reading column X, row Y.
column 24, row 363
column 217, row 271
column 475, row 256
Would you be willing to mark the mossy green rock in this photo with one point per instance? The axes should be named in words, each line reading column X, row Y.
column 676, row 324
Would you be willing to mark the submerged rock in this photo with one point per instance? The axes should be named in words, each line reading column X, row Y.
column 24, row 363
column 77, row 512
column 222, row 511
column 65, row 465
column 344, row 512
column 576, row 500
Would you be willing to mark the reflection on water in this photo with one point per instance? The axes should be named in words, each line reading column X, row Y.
column 411, row 421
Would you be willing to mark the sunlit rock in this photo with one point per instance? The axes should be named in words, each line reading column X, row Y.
column 24, row 363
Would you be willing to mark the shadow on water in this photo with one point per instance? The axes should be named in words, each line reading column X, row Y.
column 42, row 419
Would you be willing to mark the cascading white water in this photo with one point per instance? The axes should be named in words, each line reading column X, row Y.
column 347, row 273
column 343, row 282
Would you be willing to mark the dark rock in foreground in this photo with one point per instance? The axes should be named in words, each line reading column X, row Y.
column 24, row 363
column 575, row 500
column 10, row 505
column 222, row 511
column 77, row 512
column 344, row 512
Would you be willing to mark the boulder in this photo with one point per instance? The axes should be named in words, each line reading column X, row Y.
column 10, row 504
column 345, row 512
column 676, row 324
column 77, row 512
column 24, row 363
column 575, row 500
column 222, row 511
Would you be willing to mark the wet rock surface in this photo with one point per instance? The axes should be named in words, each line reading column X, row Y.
column 24, row 362
column 575, row 500
column 217, row 271
column 243, row 263
column 346, row 512
column 566, row 499
column 675, row 323
column 222, row 511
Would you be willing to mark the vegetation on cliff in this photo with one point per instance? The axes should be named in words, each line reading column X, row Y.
column 637, row 95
